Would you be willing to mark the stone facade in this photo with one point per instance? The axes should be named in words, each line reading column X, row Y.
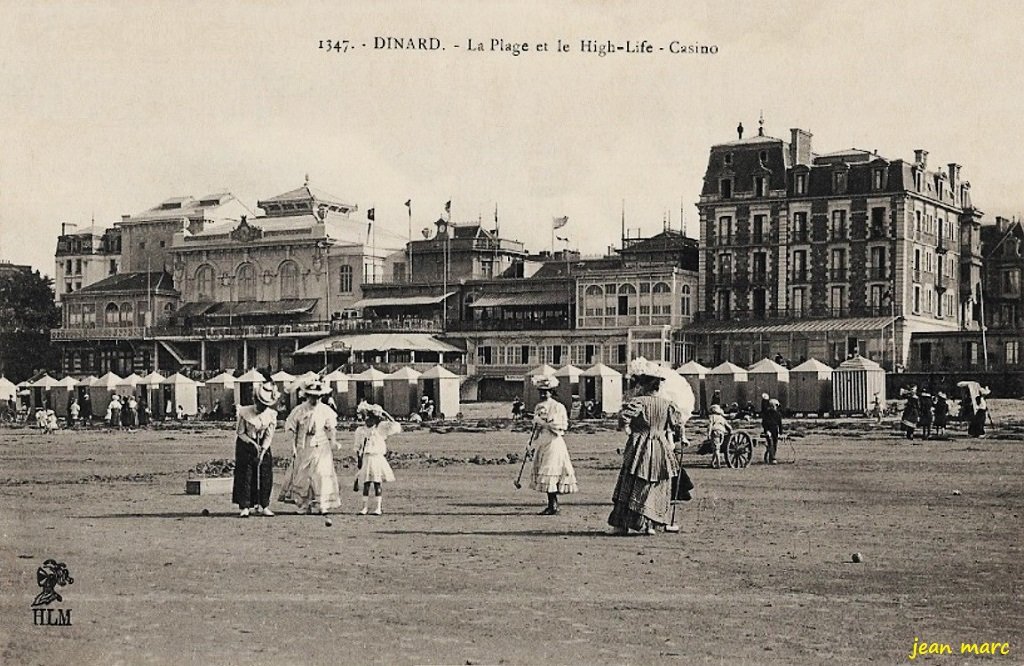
column 84, row 258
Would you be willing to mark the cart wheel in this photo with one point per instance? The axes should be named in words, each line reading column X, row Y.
column 739, row 450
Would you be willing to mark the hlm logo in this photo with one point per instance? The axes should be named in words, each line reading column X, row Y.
column 50, row 576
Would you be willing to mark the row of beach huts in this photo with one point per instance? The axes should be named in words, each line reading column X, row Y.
column 809, row 388
column 399, row 392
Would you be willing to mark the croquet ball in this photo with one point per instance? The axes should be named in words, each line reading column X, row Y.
column 857, row 557
column 327, row 522
column 206, row 512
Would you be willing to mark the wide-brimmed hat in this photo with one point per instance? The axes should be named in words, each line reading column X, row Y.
column 369, row 409
column 315, row 387
column 941, row 395
column 641, row 367
column 267, row 394
column 544, row 382
column 717, row 409
column 773, row 402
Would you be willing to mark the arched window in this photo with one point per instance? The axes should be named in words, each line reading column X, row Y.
column 685, row 311
column 593, row 301
column 126, row 313
column 627, row 300
column 111, row 314
column 289, row 273
column 662, row 297
column 246, row 279
column 204, row 282
column 345, row 279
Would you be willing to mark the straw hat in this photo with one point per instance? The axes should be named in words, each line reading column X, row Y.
column 717, row 409
column 641, row 367
column 315, row 387
column 773, row 402
column 366, row 408
column 267, row 394
column 544, row 382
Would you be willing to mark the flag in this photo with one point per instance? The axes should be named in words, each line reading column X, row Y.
column 370, row 214
column 559, row 222
column 408, row 204
column 448, row 206
column 564, row 240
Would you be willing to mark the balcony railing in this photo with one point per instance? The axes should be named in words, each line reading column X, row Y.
column 799, row 276
column 878, row 273
column 801, row 236
column 379, row 325
column 797, row 313
column 838, row 273
column 878, row 232
column 759, row 277
column 99, row 333
column 509, row 324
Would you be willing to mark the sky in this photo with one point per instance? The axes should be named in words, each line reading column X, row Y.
column 108, row 108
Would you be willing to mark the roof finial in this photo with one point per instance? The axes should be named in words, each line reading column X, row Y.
column 307, row 179
column 760, row 124
column 739, row 130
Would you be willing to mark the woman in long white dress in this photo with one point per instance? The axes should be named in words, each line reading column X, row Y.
column 311, row 483
column 552, row 468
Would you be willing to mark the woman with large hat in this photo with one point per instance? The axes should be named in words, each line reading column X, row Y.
column 254, row 465
column 311, row 483
column 552, row 468
column 643, row 492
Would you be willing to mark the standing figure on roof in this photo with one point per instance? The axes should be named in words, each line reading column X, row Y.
column 552, row 468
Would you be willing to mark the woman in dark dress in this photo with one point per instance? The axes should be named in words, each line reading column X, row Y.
column 254, row 464
column 643, row 493
column 911, row 413
column 941, row 414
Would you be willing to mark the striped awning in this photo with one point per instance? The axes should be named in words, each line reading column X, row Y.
column 524, row 299
column 791, row 326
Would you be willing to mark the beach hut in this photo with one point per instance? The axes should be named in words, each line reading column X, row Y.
column 182, row 391
column 568, row 386
column 729, row 380
column 129, row 385
column 338, row 383
column 368, row 385
column 530, row 396
column 603, row 386
column 151, row 394
column 63, row 393
column 246, row 384
column 767, row 376
column 8, row 391
column 401, row 392
column 441, row 386
column 24, row 394
column 100, row 391
column 283, row 380
column 84, row 398
column 694, row 373
column 42, row 392
column 218, row 391
column 854, row 385
column 810, row 388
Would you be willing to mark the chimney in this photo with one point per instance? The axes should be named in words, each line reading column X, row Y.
column 1002, row 224
column 954, row 174
column 67, row 227
column 800, row 146
column 921, row 158
column 739, row 130
column 125, row 217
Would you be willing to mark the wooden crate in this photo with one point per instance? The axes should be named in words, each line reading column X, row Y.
column 211, row 486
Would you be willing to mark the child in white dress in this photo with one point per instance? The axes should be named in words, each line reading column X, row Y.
column 371, row 448
column 718, row 428
column 552, row 468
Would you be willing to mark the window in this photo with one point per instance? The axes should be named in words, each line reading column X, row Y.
column 662, row 299
column 111, row 314
column 246, row 278
column 345, row 279
column 728, row 159
column 917, row 223
column 142, row 245
column 757, row 236
column 485, row 355
column 724, row 303
column 204, row 282
column 685, row 305
column 725, row 267
column 797, row 301
column 878, row 222
column 1011, row 282
column 759, row 302
column 801, row 183
column 759, row 267
column 800, row 227
column 837, row 299
column 917, row 299
column 971, row 353
column 78, row 266
column 763, row 156
column 800, row 265
column 289, row 273
column 78, row 285
column 839, row 264
column 126, row 313
column 67, row 267
column 67, row 287
column 627, row 301
column 878, row 268
column 838, row 225
column 760, row 186
column 839, row 182
column 724, row 230
column 878, row 179
column 878, row 295
column 917, row 263
column 113, row 266
column 725, row 188
column 593, row 301
column 398, row 271
column 1012, row 352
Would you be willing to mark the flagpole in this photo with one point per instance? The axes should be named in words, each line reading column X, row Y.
column 408, row 205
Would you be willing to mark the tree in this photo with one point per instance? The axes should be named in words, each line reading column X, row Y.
column 27, row 313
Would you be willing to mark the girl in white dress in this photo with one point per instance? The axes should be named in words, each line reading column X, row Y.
column 552, row 468
column 371, row 447
column 311, row 482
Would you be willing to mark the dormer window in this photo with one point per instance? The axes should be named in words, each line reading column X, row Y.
column 725, row 188
column 760, row 186
column 800, row 185
column 839, row 182
column 763, row 156
column 878, row 180
column 728, row 159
